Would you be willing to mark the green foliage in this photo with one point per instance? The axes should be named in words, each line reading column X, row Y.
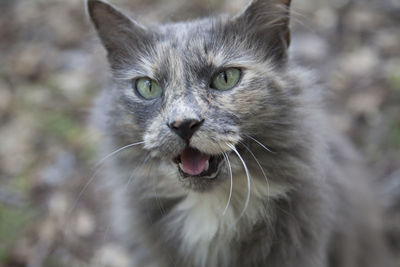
column 394, row 80
column 395, row 135
column 60, row 125
column 53, row 261
column 12, row 222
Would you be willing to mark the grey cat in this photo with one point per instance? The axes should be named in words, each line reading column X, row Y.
column 227, row 158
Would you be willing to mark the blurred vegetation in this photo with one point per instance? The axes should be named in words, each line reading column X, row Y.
column 12, row 222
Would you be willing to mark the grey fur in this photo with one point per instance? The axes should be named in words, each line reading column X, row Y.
column 316, row 207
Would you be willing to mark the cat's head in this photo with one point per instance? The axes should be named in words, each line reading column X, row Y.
column 193, row 91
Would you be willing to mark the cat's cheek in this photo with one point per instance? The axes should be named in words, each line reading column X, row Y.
column 213, row 147
column 249, row 104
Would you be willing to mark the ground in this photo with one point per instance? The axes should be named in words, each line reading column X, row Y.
column 52, row 66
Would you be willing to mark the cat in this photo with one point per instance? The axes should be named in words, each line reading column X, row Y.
column 220, row 151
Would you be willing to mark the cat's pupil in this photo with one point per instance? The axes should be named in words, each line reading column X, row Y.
column 147, row 85
column 225, row 77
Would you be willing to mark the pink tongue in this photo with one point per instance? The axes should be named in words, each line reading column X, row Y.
column 193, row 161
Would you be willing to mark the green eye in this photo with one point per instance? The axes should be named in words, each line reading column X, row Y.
column 148, row 88
column 226, row 79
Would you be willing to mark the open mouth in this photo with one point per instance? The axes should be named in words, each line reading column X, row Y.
column 193, row 163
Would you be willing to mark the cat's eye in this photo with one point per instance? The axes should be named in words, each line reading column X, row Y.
column 148, row 88
column 226, row 79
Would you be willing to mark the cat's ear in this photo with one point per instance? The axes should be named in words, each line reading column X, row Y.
column 267, row 24
column 118, row 33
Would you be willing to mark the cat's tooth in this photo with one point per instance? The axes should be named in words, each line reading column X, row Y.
column 207, row 165
column 180, row 166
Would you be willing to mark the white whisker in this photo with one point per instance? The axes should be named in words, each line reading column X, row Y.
column 265, row 176
column 133, row 172
column 248, row 179
column 116, row 151
column 125, row 190
column 80, row 194
column 259, row 165
column 231, row 178
column 258, row 142
column 130, row 179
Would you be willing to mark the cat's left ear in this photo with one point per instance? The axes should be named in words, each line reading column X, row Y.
column 266, row 23
column 120, row 35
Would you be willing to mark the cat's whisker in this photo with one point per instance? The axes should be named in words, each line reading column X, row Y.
column 226, row 158
column 82, row 191
column 258, row 142
column 248, row 180
column 92, row 178
column 134, row 169
column 116, row 151
column 125, row 190
column 98, row 167
column 130, row 179
column 265, row 176
column 259, row 165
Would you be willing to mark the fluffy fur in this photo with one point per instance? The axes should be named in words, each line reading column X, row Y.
column 300, row 199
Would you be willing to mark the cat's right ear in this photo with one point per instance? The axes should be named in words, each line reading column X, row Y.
column 266, row 23
column 118, row 33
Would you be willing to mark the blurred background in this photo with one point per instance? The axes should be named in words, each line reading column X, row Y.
column 52, row 66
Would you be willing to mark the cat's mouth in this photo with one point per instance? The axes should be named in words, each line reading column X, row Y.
column 194, row 163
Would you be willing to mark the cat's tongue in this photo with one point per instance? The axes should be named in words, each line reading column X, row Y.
column 193, row 161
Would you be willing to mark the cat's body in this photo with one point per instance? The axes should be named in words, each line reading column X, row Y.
column 301, row 201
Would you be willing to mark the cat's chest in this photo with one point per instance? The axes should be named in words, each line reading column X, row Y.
column 201, row 231
column 208, row 228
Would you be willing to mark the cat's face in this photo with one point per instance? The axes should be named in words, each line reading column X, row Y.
column 193, row 91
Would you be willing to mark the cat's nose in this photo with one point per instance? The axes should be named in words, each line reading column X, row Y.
column 185, row 128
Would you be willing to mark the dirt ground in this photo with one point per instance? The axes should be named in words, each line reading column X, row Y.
column 52, row 66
